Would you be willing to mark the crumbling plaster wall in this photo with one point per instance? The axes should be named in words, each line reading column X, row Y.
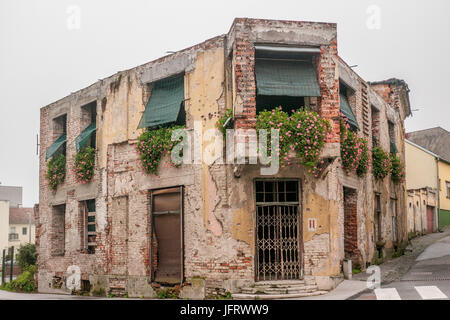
column 418, row 200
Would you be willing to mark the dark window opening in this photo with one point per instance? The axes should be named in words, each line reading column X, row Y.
column 285, row 102
column 375, row 126
column 60, row 129
column 88, row 120
column 278, row 230
column 24, row 231
column 393, row 146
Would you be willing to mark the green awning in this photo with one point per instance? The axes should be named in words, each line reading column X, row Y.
column 393, row 146
column 84, row 136
column 60, row 142
column 347, row 111
column 164, row 104
column 286, row 78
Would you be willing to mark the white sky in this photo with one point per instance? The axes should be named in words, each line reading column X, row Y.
column 42, row 60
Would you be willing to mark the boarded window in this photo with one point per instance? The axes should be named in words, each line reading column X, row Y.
column 87, row 223
column 58, row 230
column 378, row 233
column 394, row 219
column 167, row 245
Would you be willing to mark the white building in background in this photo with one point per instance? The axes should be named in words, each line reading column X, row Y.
column 4, row 224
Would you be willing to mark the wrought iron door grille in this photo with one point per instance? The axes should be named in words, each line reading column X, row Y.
column 278, row 234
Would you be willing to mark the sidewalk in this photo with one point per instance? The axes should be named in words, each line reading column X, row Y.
column 394, row 269
column 345, row 290
column 391, row 270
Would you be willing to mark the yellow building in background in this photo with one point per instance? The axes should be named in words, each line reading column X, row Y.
column 444, row 187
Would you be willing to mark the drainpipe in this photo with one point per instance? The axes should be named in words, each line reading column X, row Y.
column 439, row 193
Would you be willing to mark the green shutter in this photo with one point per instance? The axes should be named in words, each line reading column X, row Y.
column 286, row 78
column 347, row 111
column 84, row 136
column 56, row 146
column 393, row 147
column 164, row 104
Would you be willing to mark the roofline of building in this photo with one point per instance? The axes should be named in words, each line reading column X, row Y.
column 427, row 151
column 235, row 21
column 438, row 127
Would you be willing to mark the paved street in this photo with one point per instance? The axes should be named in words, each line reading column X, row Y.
column 428, row 278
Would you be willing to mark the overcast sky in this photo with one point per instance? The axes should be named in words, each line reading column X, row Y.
column 45, row 54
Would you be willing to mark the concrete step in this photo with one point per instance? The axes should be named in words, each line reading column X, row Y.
column 276, row 290
column 244, row 296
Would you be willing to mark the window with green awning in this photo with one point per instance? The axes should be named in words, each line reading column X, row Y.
column 58, row 145
column 347, row 111
column 278, row 77
column 165, row 103
column 85, row 136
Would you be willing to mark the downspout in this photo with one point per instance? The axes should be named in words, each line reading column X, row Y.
column 439, row 194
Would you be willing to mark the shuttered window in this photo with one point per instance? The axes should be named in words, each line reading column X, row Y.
column 277, row 77
column 347, row 111
column 165, row 103
column 58, row 145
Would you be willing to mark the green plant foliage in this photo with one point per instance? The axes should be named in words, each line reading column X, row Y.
column 365, row 160
column 26, row 256
column 56, row 171
column 83, row 165
column 24, row 282
column 381, row 163
column 304, row 132
column 397, row 169
column 354, row 151
column 152, row 145
column 228, row 114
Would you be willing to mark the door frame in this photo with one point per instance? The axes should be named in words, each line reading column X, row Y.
column 299, row 224
column 151, row 228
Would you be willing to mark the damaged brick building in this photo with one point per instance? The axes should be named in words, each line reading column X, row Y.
column 205, row 225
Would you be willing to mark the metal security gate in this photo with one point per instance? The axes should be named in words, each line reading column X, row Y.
column 278, row 236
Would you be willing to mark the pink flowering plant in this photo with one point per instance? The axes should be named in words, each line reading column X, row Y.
column 381, row 162
column 152, row 145
column 83, row 165
column 354, row 151
column 56, row 171
column 397, row 169
column 304, row 132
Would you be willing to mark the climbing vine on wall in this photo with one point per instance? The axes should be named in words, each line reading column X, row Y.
column 354, row 151
column 397, row 169
column 56, row 171
column 83, row 166
column 381, row 162
column 303, row 132
column 153, row 144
